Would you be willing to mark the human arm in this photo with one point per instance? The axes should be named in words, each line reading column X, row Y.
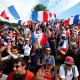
column 59, row 49
column 56, row 76
column 38, row 44
column 40, row 64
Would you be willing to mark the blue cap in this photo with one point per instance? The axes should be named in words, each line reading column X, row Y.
column 50, row 60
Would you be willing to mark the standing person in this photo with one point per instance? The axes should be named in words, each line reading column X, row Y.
column 2, row 67
column 26, row 46
column 52, row 42
column 68, row 71
column 19, row 71
column 42, row 59
column 34, row 55
column 47, row 72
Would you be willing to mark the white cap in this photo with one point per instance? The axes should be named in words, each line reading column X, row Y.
column 63, row 35
column 26, row 38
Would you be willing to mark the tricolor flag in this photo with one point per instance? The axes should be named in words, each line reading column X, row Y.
column 50, row 14
column 72, row 20
column 54, row 15
column 42, row 38
column 5, row 26
column 40, row 15
column 10, row 13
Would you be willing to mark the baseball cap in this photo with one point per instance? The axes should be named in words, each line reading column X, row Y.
column 50, row 60
column 74, row 46
column 7, row 37
column 26, row 38
column 69, row 60
column 63, row 35
column 12, row 40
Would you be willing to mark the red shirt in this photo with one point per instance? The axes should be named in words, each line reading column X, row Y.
column 48, row 77
column 29, row 76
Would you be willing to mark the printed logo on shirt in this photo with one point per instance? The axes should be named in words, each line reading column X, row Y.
column 33, row 53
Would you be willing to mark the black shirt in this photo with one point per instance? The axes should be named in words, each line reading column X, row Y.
column 76, row 58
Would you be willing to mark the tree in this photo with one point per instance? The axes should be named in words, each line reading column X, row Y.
column 39, row 7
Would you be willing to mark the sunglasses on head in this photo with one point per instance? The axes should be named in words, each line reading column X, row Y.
column 16, row 66
column 48, row 50
column 68, row 65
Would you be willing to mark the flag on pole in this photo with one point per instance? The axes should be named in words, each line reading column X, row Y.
column 10, row 13
column 40, row 15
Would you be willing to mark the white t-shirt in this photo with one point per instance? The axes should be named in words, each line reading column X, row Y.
column 26, row 30
column 9, row 56
column 27, row 50
column 69, row 74
column 4, row 77
column 65, row 44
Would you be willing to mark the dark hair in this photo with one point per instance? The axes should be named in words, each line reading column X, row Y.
column 2, row 66
column 16, row 47
column 20, row 59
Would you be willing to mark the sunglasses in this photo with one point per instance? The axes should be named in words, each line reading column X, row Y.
column 48, row 50
column 16, row 66
column 68, row 65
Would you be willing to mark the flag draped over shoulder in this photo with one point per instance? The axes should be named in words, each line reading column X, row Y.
column 40, row 15
column 10, row 13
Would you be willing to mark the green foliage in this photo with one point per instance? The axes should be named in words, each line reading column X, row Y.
column 39, row 7
column 11, row 24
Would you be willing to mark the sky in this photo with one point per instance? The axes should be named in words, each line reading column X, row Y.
column 63, row 9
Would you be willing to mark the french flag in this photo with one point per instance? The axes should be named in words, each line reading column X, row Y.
column 72, row 20
column 42, row 38
column 50, row 14
column 10, row 13
column 5, row 26
column 40, row 15
column 54, row 15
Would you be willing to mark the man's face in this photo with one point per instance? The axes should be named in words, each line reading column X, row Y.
column 47, row 51
column 12, row 42
column 35, row 45
column 69, row 67
column 27, row 41
column 18, row 69
column 74, row 50
column 15, row 51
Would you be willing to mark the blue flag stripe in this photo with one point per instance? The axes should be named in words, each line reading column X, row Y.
column 13, row 12
column 35, row 15
column 75, row 19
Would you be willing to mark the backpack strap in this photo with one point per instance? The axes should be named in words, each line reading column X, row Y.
column 53, row 75
column 73, row 69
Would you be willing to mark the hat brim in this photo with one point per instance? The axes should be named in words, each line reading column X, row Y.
column 49, row 63
column 68, row 63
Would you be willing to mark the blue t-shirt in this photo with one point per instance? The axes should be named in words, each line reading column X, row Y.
column 34, row 56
